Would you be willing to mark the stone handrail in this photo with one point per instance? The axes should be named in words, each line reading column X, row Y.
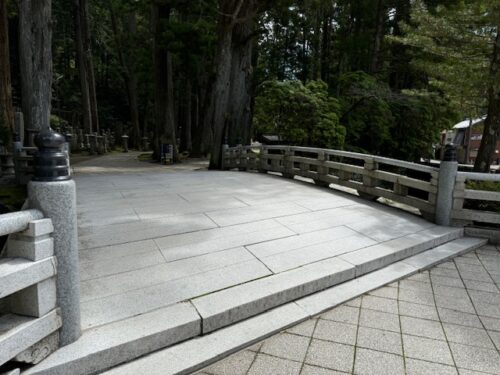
column 412, row 184
column 29, row 315
column 461, row 194
column 17, row 221
column 372, row 176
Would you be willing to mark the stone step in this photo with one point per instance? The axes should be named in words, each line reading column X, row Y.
column 197, row 353
column 18, row 333
column 19, row 273
column 109, row 345
column 243, row 301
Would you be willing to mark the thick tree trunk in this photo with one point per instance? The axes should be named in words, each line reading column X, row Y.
column 378, row 37
column 127, row 61
column 164, row 129
column 35, row 50
column 187, row 118
column 232, row 13
column 239, row 111
column 84, row 81
column 6, row 108
column 491, row 132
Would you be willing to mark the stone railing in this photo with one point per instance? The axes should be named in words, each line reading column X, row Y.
column 29, row 319
column 39, row 276
column 433, row 191
column 461, row 193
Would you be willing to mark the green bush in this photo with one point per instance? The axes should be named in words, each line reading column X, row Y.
column 303, row 115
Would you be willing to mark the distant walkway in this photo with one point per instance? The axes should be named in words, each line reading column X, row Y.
column 446, row 321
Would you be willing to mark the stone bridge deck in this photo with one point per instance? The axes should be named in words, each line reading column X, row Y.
column 149, row 238
column 171, row 253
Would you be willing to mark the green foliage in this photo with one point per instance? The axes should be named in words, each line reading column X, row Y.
column 400, row 125
column 301, row 114
column 453, row 46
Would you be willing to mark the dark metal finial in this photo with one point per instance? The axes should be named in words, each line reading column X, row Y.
column 51, row 161
column 450, row 152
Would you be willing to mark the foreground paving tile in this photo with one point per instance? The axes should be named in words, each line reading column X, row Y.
column 343, row 314
column 380, row 320
column 334, row 331
column 468, row 336
column 458, row 317
column 330, row 355
column 267, row 365
column 380, row 304
column 369, row 362
column 421, row 327
column 427, row 349
column 477, row 359
column 417, row 367
column 286, row 346
column 304, row 329
column 418, row 311
column 314, row 370
column 237, row 364
column 384, row 341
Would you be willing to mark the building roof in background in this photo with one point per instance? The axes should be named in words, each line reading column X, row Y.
column 466, row 123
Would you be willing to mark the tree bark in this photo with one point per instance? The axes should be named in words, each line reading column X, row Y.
column 232, row 13
column 241, row 88
column 127, row 61
column 164, row 128
column 379, row 35
column 491, row 131
column 6, row 108
column 84, row 81
column 188, row 119
column 35, row 54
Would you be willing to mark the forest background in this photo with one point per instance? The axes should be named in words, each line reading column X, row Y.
column 377, row 76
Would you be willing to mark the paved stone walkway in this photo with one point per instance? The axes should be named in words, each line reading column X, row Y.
column 442, row 321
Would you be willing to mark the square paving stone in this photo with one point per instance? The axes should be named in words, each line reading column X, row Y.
column 343, row 314
column 487, row 309
column 356, row 302
column 477, row 359
column 421, row 276
column 330, row 355
column 480, row 285
column 415, row 285
column 380, row 320
column 458, row 317
column 450, row 265
column 416, row 296
column 385, row 292
column 445, row 272
column 477, row 276
column 314, row 370
column 267, row 365
column 468, row 335
column 384, row 341
column 478, row 296
column 463, row 305
column 492, row 324
column 369, row 362
column 335, row 331
column 495, row 336
column 418, row 311
column 286, row 346
column 380, row 304
column 460, row 293
column 417, row 367
column 421, row 327
column 236, row 364
column 448, row 281
column 304, row 329
column 427, row 349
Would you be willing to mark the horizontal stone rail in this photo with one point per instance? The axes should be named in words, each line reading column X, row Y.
column 29, row 318
column 461, row 194
column 17, row 221
column 372, row 176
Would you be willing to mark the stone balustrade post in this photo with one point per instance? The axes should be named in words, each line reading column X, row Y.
column 446, row 184
column 53, row 192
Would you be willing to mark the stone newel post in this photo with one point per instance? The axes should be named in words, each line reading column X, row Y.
column 53, row 192
column 447, row 177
